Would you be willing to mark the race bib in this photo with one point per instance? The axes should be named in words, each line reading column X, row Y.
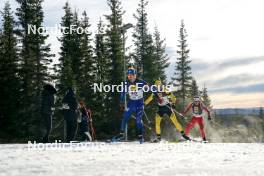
column 135, row 95
column 196, row 110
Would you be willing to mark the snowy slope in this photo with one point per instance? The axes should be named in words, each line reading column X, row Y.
column 134, row 159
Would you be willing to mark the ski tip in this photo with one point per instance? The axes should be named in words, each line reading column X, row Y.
column 108, row 141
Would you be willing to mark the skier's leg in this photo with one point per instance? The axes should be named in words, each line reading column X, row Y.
column 126, row 116
column 68, row 130
column 49, row 126
column 157, row 124
column 190, row 126
column 121, row 135
column 176, row 122
column 74, row 129
column 83, row 136
column 201, row 127
column 157, row 127
column 88, row 136
column 161, row 112
column 178, row 125
column 45, row 127
column 71, row 130
column 139, row 123
column 139, row 114
column 92, row 132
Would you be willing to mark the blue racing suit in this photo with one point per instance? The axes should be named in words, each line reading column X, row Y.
column 135, row 103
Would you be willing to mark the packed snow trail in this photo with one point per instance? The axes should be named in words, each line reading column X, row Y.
column 100, row 159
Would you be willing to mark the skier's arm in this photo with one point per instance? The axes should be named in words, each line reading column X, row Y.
column 206, row 109
column 187, row 109
column 89, row 113
column 149, row 99
column 154, row 91
column 172, row 98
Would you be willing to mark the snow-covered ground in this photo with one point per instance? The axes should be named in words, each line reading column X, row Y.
column 134, row 159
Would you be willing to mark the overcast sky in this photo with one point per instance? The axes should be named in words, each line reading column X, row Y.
column 226, row 39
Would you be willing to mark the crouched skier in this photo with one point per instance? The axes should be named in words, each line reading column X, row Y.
column 166, row 99
column 135, row 103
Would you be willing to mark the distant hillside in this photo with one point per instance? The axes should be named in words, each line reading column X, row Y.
column 233, row 111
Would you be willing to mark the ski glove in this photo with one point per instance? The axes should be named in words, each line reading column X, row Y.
column 173, row 106
column 181, row 115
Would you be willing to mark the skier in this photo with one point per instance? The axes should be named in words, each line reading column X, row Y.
column 165, row 107
column 135, row 103
column 84, row 124
column 197, row 109
column 47, row 104
column 70, row 107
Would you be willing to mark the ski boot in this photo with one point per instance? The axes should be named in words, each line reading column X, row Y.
column 119, row 137
column 141, row 138
column 185, row 136
column 204, row 140
column 157, row 139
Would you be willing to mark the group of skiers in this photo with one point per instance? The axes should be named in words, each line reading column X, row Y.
column 131, row 102
column 72, row 111
column 165, row 99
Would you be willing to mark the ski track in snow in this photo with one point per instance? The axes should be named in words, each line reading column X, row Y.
column 148, row 159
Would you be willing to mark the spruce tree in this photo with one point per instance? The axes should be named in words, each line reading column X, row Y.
column 35, row 59
column 194, row 88
column 103, row 64
column 77, row 57
column 161, row 57
column 144, row 47
column 101, row 58
column 182, row 76
column 115, row 53
column 103, row 75
column 114, row 40
column 205, row 98
column 9, row 97
column 66, row 77
column 150, row 71
column 87, row 67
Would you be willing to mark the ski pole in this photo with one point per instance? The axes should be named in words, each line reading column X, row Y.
column 217, row 124
column 148, row 127
column 89, row 115
column 93, row 131
column 146, row 117
column 176, row 111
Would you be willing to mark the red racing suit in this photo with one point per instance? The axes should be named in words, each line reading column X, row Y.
column 197, row 111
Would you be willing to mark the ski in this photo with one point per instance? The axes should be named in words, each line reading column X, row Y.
column 191, row 140
column 116, row 138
